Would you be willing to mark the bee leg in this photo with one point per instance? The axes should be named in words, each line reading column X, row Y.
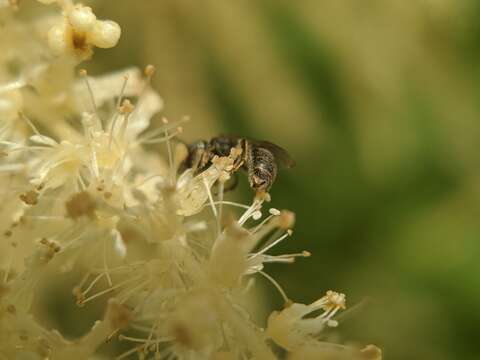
column 249, row 164
column 239, row 162
column 237, row 165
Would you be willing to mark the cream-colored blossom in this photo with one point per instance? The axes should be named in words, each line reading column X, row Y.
column 79, row 31
column 82, row 193
column 292, row 329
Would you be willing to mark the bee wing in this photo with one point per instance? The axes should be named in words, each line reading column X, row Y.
column 281, row 155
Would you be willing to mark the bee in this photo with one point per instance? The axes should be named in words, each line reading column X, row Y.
column 260, row 159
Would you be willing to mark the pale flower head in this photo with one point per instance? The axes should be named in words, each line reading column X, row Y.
column 291, row 328
column 79, row 31
column 84, row 195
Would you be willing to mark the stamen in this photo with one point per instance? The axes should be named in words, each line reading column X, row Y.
column 113, row 123
column 83, row 185
column 257, row 215
column 277, row 285
column 268, row 247
column 160, row 139
column 17, row 84
column 29, row 122
column 125, row 268
column 274, row 211
column 105, row 266
column 170, row 153
column 83, row 73
column 92, row 284
column 11, row 167
column 260, row 235
column 10, row 263
column 259, row 226
column 8, row 143
column 210, row 198
column 83, row 281
column 108, row 290
column 140, row 340
column 150, row 334
column 27, row 148
column 249, row 285
column 301, row 254
column 44, row 217
column 124, row 297
column 285, row 258
column 126, row 109
column 273, row 259
column 94, row 164
column 126, row 354
column 147, row 179
column 122, row 337
column 231, row 203
column 149, row 71
column 220, row 206
column 122, row 91
column 161, row 130
column 256, row 205
column 111, row 335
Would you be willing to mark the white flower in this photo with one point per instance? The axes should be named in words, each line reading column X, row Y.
column 80, row 31
column 291, row 328
column 81, row 191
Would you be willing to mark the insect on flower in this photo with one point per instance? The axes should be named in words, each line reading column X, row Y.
column 259, row 158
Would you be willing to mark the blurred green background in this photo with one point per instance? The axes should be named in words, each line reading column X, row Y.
column 378, row 102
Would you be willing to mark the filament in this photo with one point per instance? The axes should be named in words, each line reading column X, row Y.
column 277, row 285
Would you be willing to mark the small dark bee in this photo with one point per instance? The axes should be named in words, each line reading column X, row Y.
column 260, row 159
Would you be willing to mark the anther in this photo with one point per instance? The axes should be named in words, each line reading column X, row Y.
column 127, row 107
column 149, row 70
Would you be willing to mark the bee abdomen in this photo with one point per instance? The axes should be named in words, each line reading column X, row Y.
column 263, row 165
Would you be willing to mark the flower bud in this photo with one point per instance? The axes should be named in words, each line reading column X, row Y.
column 105, row 34
column 82, row 18
column 57, row 40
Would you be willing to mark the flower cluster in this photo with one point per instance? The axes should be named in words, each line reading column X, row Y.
column 81, row 193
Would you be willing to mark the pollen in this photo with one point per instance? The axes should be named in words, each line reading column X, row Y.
column 81, row 204
column 79, row 41
column 126, row 107
column 149, row 70
column 274, row 211
column 286, row 220
column 334, row 300
column 118, row 315
column 30, row 197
